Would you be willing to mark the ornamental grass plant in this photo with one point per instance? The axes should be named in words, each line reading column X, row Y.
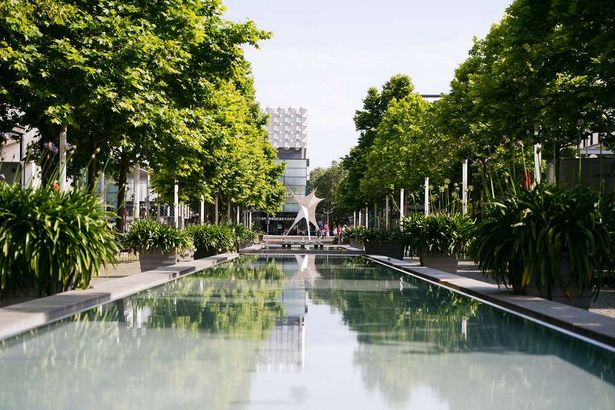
column 358, row 233
column 243, row 236
column 440, row 233
column 149, row 235
column 211, row 239
column 51, row 241
column 533, row 235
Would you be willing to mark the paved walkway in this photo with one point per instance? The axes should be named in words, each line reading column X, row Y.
column 603, row 305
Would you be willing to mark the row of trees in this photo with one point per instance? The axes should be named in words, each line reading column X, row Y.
column 544, row 74
column 160, row 84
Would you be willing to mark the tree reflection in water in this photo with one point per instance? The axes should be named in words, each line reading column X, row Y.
column 198, row 342
column 168, row 348
column 427, row 336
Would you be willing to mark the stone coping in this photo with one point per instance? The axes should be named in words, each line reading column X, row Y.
column 21, row 317
column 595, row 328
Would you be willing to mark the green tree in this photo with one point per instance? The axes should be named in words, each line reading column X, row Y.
column 326, row 181
column 396, row 151
column 137, row 82
column 366, row 122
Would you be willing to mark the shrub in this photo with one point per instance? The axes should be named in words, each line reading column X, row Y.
column 51, row 241
column 243, row 236
column 149, row 235
column 525, row 237
column 358, row 233
column 212, row 239
column 375, row 235
column 440, row 233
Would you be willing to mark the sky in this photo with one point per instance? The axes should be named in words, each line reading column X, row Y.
column 325, row 55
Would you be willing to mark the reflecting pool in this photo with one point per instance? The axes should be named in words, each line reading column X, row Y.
column 301, row 332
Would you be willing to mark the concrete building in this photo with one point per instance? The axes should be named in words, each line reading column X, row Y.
column 287, row 128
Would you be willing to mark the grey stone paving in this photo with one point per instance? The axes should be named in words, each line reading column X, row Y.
column 603, row 305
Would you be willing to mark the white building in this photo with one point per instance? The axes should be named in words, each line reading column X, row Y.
column 287, row 130
column 13, row 147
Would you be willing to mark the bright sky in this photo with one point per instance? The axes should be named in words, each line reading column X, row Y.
column 324, row 55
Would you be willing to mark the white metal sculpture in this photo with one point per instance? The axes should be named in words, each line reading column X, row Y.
column 307, row 210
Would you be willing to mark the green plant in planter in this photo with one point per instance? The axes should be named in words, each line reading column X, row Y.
column 373, row 235
column 437, row 234
column 51, row 241
column 546, row 236
column 386, row 242
column 243, row 236
column 211, row 239
column 357, row 233
column 607, row 210
column 149, row 235
column 498, row 242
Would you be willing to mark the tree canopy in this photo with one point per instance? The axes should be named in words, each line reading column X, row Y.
column 544, row 73
column 165, row 85
column 326, row 182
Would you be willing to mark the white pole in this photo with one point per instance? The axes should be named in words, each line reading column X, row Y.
column 360, row 212
column 367, row 217
column 327, row 233
column 63, row 184
column 176, row 205
column 216, row 213
column 354, row 219
column 250, row 219
column 464, row 187
column 426, row 195
column 376, row 221
column 237, row 216
column 537, row 161
column 202, row 210
column 386, row 213
column 147, row 199
column 103, row 197
column 136, row 189
column 181, row 216
column 402, row 204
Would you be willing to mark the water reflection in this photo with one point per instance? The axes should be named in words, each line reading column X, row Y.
column 240, row 336
column 469, row 355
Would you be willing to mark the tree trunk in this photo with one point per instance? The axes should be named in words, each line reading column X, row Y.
column 121, row 191
column 557, row 156
column 92, row 174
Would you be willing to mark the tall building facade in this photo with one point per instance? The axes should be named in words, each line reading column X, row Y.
column 287, row 128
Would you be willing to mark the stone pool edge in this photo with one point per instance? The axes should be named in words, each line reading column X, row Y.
column 22, row 317
column 588, row 325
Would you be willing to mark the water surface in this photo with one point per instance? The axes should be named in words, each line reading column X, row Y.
column 301, row 332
